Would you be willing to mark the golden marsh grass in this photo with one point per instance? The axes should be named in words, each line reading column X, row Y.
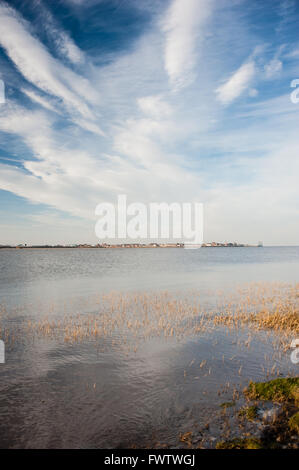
column 141, row 316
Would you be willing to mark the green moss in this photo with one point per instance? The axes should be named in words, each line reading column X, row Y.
column 249, row 412
column 250, row 443
column 228, row 404
column 275, row 390
column 294, row 422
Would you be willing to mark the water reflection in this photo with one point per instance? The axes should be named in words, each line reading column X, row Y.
column 102, row 392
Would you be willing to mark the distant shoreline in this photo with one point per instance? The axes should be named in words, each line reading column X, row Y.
column 128, row 246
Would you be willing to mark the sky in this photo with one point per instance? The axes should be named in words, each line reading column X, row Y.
column 160, row 100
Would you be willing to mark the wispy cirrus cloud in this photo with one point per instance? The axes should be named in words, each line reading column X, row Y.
column 239, row 81
column 65, row 46
column 155, row 106
column 273, row 68
column 40, row 68
column 40, row 100
column 183, row 27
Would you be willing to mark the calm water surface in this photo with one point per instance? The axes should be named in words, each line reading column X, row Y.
column 56, row 394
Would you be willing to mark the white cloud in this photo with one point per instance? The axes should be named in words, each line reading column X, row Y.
column 18, row 120
column 273, row 68
column 40, row 68
column 69, row 49
column 269, row 203
column 182, row 26
column 89, row 126
column 40, row 100
column 65, row 46
column 236, row 84
column 253, row 92
column 154, row 106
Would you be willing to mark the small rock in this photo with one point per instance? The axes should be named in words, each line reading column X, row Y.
column 269, row 415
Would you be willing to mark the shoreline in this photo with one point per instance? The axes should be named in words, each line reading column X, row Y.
column 46, row 247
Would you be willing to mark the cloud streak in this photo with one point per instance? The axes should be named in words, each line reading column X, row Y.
column 237, row 84
column 40, row 68
column 183, row 27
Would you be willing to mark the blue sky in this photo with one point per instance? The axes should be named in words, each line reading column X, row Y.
column 175, row 101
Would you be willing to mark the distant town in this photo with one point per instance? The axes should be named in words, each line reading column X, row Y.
column 133, row 245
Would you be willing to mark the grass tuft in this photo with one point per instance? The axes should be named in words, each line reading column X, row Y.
column 282, row 389
column 294, row 422
column 249, row 412
column 248, row 443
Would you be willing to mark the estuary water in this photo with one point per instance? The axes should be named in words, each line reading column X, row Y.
column 103, row 391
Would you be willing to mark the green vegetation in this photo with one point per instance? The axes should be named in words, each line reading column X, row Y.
column 282, row 430
column 249, row 443
column 274, row 390
column 249, row 412
column 294, row 422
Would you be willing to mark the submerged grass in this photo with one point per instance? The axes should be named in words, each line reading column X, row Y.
column 258, row 307
column 127, row 319
column 228, row 404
